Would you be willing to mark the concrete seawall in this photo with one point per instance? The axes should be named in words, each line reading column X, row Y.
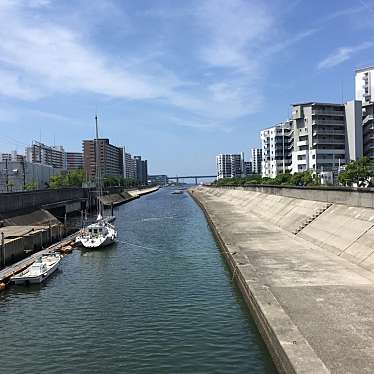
column 305, row 270
column 363, row 198
column 126, row 196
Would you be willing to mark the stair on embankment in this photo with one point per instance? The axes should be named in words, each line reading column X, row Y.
column 309, row 220
column 343, row 230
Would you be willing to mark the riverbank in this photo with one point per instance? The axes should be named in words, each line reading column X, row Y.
column 312, row 307
column 30, row 233
column 126, row 196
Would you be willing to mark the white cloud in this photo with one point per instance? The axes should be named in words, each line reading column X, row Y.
column 43, row 56
column 343, row 54
column 235, row 29
column 57, row 59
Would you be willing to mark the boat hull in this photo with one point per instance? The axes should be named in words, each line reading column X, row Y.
column 36, row 279
column 97, row 243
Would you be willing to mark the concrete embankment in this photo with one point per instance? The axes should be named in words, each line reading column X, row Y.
column 27, row 233
column 126, row 196
column 305, row 270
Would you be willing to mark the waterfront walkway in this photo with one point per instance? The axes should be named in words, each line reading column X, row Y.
column 313, row 308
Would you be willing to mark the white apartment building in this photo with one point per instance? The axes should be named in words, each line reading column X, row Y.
column 256, row 155
column 368, row 129
column 230, row 165
column 364, row 81
column 276, row 145
column 353, row 130
column 364, row 85
column 319, row 133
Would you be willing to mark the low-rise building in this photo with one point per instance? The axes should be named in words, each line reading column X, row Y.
column 13, row 156
column 160, row 179
column 16, row 175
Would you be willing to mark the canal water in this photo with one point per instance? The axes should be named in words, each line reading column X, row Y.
column 161, row 300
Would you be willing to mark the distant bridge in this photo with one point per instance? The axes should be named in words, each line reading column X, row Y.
column 196, row 177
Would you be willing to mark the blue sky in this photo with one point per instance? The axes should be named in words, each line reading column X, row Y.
column 175, row 81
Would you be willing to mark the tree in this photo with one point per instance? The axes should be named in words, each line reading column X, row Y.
column 31, row 186
column 357, row 173
column 72, row 178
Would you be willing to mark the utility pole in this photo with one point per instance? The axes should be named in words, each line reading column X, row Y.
column 6, row 175
column 24, row 173
column 2, row 249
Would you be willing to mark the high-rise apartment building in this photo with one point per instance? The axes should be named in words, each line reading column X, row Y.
column 248, row 169
column 353, row 130
column 277, row 146
column 110, row 158
column 319, row 133
column 256, row 154
column 141, row 170
column 368, row 129
column 128, row 165
column 230, row 165
column 74, row 160
column 40, row 153
column 364, row 82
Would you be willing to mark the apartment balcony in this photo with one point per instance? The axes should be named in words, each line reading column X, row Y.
column 368, row 118
column 327, row 122
column 328, row 132
column 328, row 142
column 328, row 113
column 302, row 143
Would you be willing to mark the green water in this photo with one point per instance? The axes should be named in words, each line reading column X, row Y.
column 164, row 305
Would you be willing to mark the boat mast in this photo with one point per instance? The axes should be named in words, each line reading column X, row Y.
column 98, row 168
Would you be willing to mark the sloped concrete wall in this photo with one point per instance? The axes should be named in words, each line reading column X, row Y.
column 346, row 231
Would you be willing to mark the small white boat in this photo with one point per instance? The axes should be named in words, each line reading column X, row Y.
column 99, row 234
column 40, row 270
column 177, row 192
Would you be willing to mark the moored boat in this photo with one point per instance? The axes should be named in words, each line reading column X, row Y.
column 39, row 271
column 99, row 234
column 102, row 232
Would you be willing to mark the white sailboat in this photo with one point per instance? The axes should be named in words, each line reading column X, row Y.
column 101, row 233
